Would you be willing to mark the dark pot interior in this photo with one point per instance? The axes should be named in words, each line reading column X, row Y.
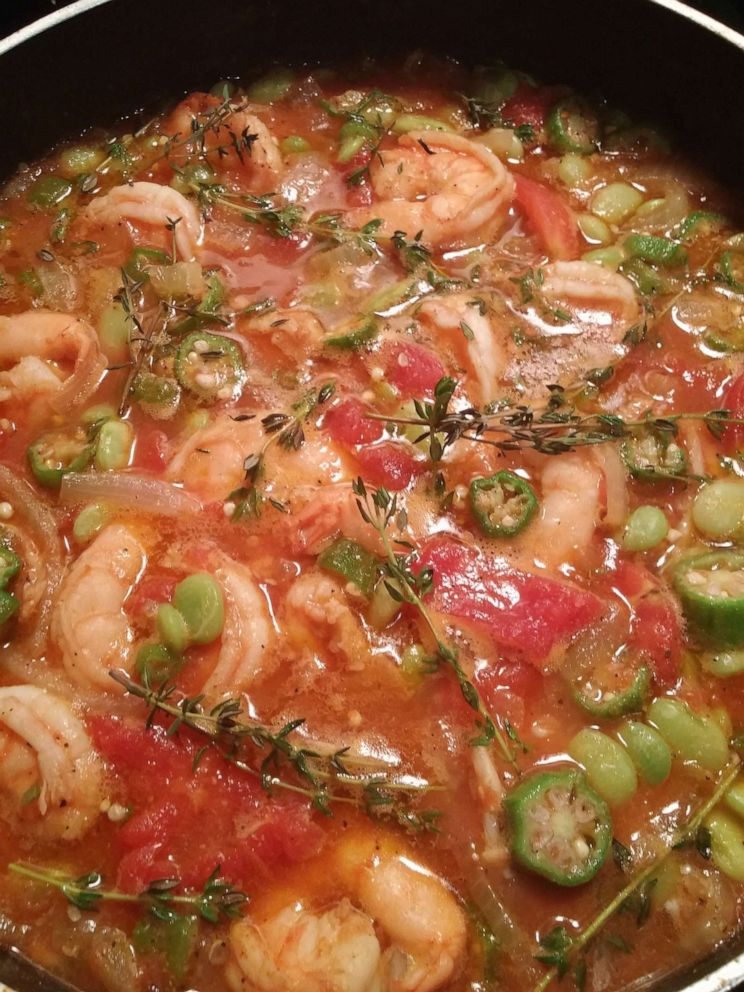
column 129, row 56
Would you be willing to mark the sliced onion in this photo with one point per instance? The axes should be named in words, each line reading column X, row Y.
column 41, row 527
column 616, row 484
column 129, row 491
column 673, row 209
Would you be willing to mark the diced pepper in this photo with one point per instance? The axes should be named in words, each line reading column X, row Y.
column 503, row 504
column 141, row 257
column 355, row 337
column 711, row 590
column 353, row 563
column 649, row 248
column 10, row 565
column 559, row 828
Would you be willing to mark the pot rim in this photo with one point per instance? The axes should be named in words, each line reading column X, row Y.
column 29, row 31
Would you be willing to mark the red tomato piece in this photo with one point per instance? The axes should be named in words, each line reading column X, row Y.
column 657, row 635
column 733, row 400
column 413, row 370
column 389, row 465
column 151, row 450
column 155, row 588
column 526, row 612
column 528, row 106
column 348, row 424
column 249, row 831
column 549, row 216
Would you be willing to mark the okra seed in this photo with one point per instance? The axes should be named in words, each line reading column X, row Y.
column 6, row 511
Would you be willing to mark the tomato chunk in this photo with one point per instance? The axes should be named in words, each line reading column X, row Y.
column 529, row 105
column 151, row 450
column 657, row 635
column 248, row 831
column 413, row 370
column 526, row 612
column 348, row 424
column 389, row 465
column 550, row 218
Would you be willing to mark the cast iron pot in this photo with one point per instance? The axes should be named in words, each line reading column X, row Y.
column 98, row 61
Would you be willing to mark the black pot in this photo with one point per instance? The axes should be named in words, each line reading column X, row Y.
column 98, row 61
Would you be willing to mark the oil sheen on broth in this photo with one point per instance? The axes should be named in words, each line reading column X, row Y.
column 371, row 595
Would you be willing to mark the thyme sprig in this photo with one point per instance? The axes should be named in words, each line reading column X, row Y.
column 217, row 901
column 552, row 430
column 324, row 779
column 285, row 429
column 380, row 509
column 141, row 339
column 560, row 949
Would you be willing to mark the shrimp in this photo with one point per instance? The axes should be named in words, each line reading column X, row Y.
column 398, row 929
column 299, row 951
column 31, row 345
column 294, row 331
column 452, row 190
column 89, row 623
column 243, row 140
column 570, row 509
column 44, row 747
column 154, row 205
column 211, row 461
column 482, row 352
column 246, row 633
column 317, row 612
column 594, row 310
column 326, row 512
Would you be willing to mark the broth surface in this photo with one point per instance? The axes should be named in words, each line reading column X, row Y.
column 370, row 503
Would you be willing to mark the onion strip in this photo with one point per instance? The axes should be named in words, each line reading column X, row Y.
column 42, row 528
column 129, row 491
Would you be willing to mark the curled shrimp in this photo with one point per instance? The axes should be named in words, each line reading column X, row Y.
column 153, row 205
column 239, row 140
column 317, row 614
column 482, row 351
column 246, row 633
column 44, row 749
column 89, row 623
column 321, row 513
column 592, row 310
column 211, row 462
column 451, row 189
column 32, row 346
column 299, row 951
column 571, row 510
column 398, row 929
column 294, row 331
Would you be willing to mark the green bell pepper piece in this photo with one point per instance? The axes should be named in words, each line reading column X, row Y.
column 353, row 563
column 356, row 337
column 649, row 248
